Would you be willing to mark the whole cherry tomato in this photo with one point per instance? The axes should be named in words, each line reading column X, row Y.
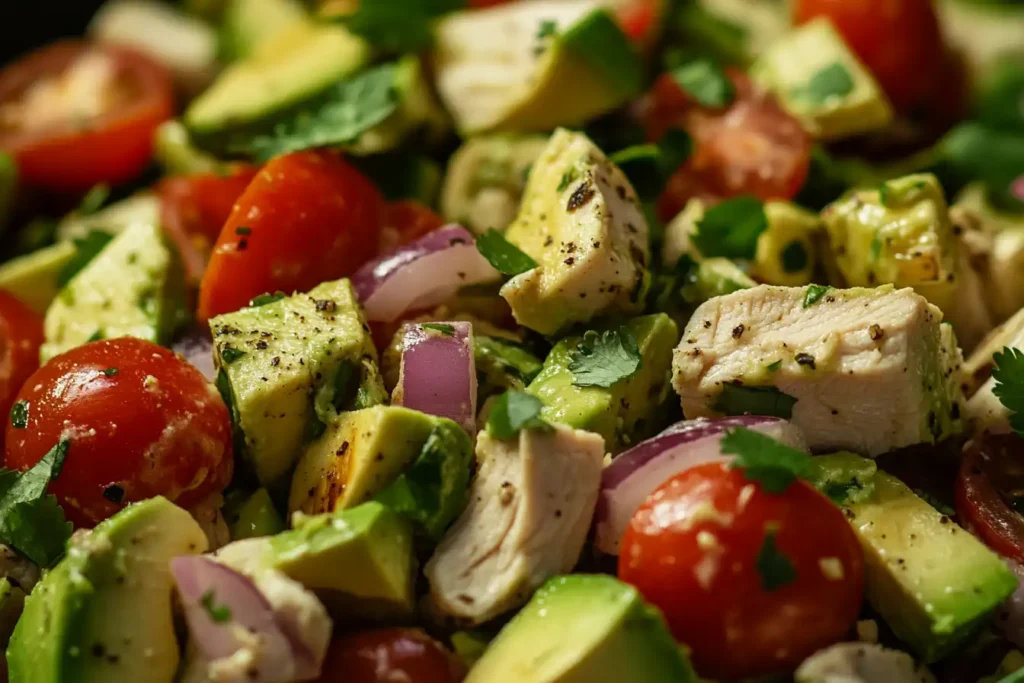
column 306, row 218
column 991, row 468
column 752, row 146
column 21, row 334
column 752, row 582
column 139, row 421
column 387, row 655
column 899, row 40
column 74, row 114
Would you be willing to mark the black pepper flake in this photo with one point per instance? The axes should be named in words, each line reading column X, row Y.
column 275, row 361
column 805, row 359
column 343, row 449
column 98, row 650
column 738, row 331
column 569, row 261
column 243, row 245
column 876, row 332
column 261, row 345
column 114, row 493
column 325, row 305
column 580, row 197
column 707, row 324
column 549, row 241
column 954, row 412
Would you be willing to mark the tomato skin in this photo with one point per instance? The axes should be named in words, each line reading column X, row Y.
column 981, row 508
column 406, row 221
column 21, row 335
column 385, row 655
column 306, row 218
column 752, row 146
column 194, row 208
column 155, row 427
column 112, row 148
column 899, row 40
column 692, row 547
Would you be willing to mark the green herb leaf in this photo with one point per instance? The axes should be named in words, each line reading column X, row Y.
column 832, row 81
column 568, row 178
column 86, row 249
column 763, row 459
column 32, row 522
column 19, row 415
column 603, row 359
column 218, row 613
column 731, row 229
column 875, row 250
column 443, row 328
column 706, row 82
column 1008, row 372
column 230, row 354
column 814, row 294
column 398, row 26
column 95, row 336
column 264, row 299
column 94, row 199
column 649, row 166
column 110, row 372
column 338, row 117
column 506, row 257
column 774, row 367
column 774, row 566
column 737, row 399
column 514, row 411
column 546, row 29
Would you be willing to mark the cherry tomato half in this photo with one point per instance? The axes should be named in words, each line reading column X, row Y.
column 991, row 464
column 305, row 218
column 698, row 549
column 21, row 334
column 386, row 655
column 140, row 422
column 752, row 146
column 899, row 40
column 75, row 114
column 195, row 207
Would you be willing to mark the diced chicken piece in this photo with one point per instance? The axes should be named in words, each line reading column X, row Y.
column 870, row 370
column 862, row 663
column 530, row 508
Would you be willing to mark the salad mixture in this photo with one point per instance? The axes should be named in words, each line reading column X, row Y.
column 515, row 341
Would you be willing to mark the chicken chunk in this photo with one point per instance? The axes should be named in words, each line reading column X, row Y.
column 865, row 370
column 862, row 663
column 530, row 508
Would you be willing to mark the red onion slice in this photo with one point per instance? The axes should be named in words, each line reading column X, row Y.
column 438, row 372
column 196, row 346
column 632, row 476
column 422, row 274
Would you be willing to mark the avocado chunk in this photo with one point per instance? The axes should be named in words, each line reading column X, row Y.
column 819, row 80
column 556, row 63
column 104, row 612
column 290, row 367
column 135, row 287
column 142, row 208
column 715, row 277
column 252, row 516
column 372, row 543
column 174, row 151
column 787, row 251
column 293, row 66
column 584, row 629
column 581, row 222
column 502, row 364
column 624, row 412
column 33, row 277
column 486, row 178
column 246, row 24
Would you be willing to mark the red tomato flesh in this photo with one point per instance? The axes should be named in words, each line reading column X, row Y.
column 990, row 465
column 21, row 335
column 387, row 655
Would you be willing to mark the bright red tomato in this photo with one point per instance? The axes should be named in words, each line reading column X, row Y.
column 75, row 114
column 21, row 334
column 640, row 19
column 991, row 464
column 306, row 218
column 386, row 655
column 195, row 207
column 140, row 421
column 406, row 221
column 899, row 40
column 696, row 549
column 752, row 146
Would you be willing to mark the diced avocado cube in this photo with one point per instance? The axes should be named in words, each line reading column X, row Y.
column 787, row 252
column 104, row 613
column 252, row 516
column 142, row 208
column 715, row 277
column 844, row 477
column 33, row 277
column 135, row 287
column 174, row 151
column 502, row 364
column 624, row 412
column 245, row 24
column 584, row 629
column 581, row 222
column 533, row 66
column 822, row 83
column 290, row 367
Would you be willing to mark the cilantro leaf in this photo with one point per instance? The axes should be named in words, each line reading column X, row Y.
column 833, row 80
column 514, row 411
column 339, row 116
column 443, row 328
column 230, row 354
column 774, row 566
column 398, row 26
column 30, row 521
column 737, row 399
column 1008, row 372
column 264, row 299
column 814, row 293
column 706, row 82
column 763, row 459
column 731, row 229
column 218, row 613
column 94, row 199
column 601, row 360
column 506, row 257
column 86, row 249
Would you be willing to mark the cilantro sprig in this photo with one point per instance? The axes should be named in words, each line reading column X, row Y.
column 831, row 81
column 774, row 566
column 814, row 294
column 603, row 359
column 731, row 229
column 514, row 411
column 1008, row 373
column 764, row 460
column 706, row 82
column 31, row 521
column 398, row 26
column 506, row 257
column 219, row 614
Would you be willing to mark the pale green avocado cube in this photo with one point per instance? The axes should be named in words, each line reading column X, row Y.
column 715, row 277
column 822, row 83
column 290, row 367
column 142, row 208
column 32, row 278
column 624, row 412
column 173, row 149
column 787, row 251
column 246, row 24
column 933, row 582
column 581, row 222
column 584, row 629
column 135, row 287
column 533, row 66
column 105, row 613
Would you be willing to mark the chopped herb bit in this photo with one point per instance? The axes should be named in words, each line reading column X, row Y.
column 86, row 249
column 794, row 257
column 649, row 166
column 737, row 399
column 814, row 294
column 514, row 411
column 31, row 521
column 506, row 257
column 832, row 81
column 398, row 26
column 110, row 372
column 1008, row 373
column 602, row 360
column 568, row 178
column 95, row 336
column 94, row 199
column 875, row 250
column 731, row 229
column 264, row 299
column 242, row 230
column 774, row 367
column 774, row 566
column 19, row 415
column 706, row 82
column 443, row 328
column 230, row 354
column 546, row 29
column 763, row 459
column 218, row 613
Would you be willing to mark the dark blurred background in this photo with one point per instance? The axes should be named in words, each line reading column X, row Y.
column 25, row 24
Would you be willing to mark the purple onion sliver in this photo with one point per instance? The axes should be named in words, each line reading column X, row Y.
column 196, row 346
column 438, row 374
